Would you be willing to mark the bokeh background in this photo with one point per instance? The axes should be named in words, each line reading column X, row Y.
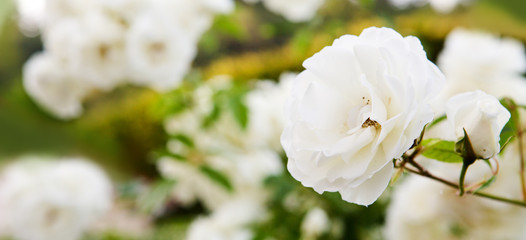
column 122, row 130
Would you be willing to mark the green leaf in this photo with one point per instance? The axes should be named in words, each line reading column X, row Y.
column 158, row 154
column 436, row 121
column 487, row 183
column 240, row 110
column 157, row 196
column 510, row 129
column 441, row 150
column 186, row 140
column 217, row 177
column 212, row 117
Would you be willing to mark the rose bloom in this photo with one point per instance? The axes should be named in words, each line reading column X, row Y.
column 359, row 104
column 44, row 199
column 474, row 60
column 54, row 89
column 482, row 116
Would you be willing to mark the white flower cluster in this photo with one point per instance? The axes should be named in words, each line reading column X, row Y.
column 230, row 222
column 100, row 44
column 293, row 10
column 359, row 104
column 474, row 60
column 246, row 157
column 441, row 6
column 425, row 209
column 52, row 200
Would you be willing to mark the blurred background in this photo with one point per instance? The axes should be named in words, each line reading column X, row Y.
column 232, row 55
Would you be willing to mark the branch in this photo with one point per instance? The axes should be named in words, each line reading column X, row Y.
column 420, row 170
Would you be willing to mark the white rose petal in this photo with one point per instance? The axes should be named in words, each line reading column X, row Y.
column 359, row 104
column 482, row 116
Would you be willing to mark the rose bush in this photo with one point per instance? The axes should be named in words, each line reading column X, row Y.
column 482, row 116
column 359, row 104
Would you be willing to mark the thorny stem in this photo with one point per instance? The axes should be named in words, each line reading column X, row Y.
column 420, row 170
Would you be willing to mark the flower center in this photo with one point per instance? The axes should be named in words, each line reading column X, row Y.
column 370, row 122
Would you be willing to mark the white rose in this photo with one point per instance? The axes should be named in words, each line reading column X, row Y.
column 478, row 55
column 92, row 47
column 52, row 200
column 482, row 116
column 53, row 88
column 359, row 104
column 294, row 10
column 158, row 52
column 474, row 60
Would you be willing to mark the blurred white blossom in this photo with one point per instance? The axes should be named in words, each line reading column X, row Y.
column 191, row 184
column 474, row 60
column 222, row 145
column 230, row 222
column 52, row 200
column 54, row 89
column 104, row 44
column 359, row 104
column 294, row 10
column 158, row 56
column 442, row 6
column 266, row 104
column 31, row 15
column 482, row 117
column 315, row 223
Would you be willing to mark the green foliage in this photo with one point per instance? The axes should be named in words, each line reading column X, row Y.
column 157, row 196
column 513, row 7
column 217, row 177
column 231, row 101
column 6, row 8
column 436, row 121
column 184, row 139
column 240, row 110
column 440, row 150
column 487, row 183
column 212, row 117
column 512, row 126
